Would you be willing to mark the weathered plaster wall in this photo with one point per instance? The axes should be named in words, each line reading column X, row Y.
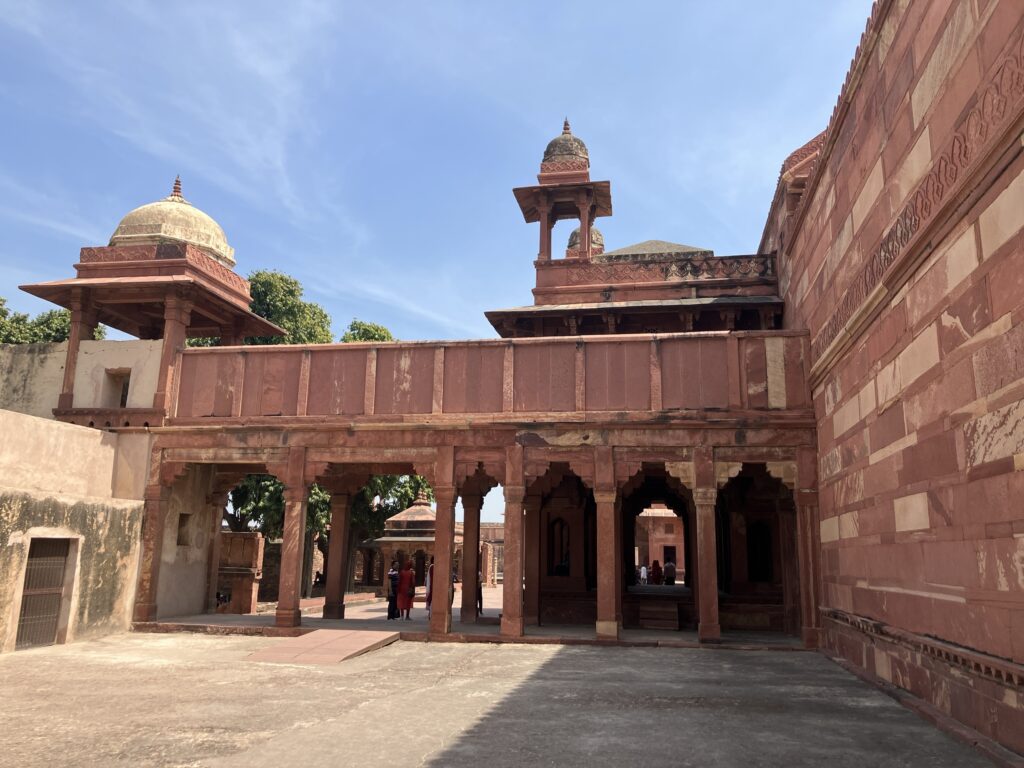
column 31, row 376
column 62, row 481
column 185, row 557
column 907, row 266
column 95, row 358
column 107, row 532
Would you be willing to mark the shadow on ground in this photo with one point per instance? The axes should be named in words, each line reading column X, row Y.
column 659, row 707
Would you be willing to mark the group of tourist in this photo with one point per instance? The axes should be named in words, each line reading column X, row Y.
column 656, row 574
column 402, row 590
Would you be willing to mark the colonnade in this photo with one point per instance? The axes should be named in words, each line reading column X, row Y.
column 601, row 475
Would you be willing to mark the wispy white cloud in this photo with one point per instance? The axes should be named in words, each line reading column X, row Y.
column 56, row 213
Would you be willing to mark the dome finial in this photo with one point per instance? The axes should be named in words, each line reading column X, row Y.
column 565, row 127
column 176, row 190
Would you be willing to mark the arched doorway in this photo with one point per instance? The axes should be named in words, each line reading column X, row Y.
column 657, row 526
column 561, row 567
column 758, row 572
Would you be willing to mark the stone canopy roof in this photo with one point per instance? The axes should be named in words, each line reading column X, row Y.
column 174, row 219
column 654, row 249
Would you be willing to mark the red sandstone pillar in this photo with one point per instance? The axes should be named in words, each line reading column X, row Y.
column 545, row 234
column 708, row 629
column 808, row 543
column 216, row 507
column 609, row 566
column 512, row 586
column 177, row 312
column 296, row 498
column 83, row 324
column 583, row 206
column 338, row 546
column 531, row 558
column 444, row 546
column 153, row 522
column 470, row 556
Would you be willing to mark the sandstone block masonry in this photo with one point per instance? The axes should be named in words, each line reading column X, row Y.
column 904, row 257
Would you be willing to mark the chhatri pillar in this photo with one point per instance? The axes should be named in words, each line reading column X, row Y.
column 83, row 326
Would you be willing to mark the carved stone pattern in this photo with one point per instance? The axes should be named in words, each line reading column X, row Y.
column 810, row 148
column 1003, row 94
column 218, row 271
column 110, row 255
column 681, row 268
column 557, row 166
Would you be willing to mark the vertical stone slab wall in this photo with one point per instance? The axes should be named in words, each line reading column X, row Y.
column 905, row 259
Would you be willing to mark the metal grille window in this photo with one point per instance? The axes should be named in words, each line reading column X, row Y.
column 41, row 597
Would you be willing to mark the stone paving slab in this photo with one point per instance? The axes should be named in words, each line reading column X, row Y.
column 324, row 646
column 158, row 700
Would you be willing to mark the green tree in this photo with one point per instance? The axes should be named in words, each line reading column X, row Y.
column 360, row 330
column 53, row 325
column 278, row 297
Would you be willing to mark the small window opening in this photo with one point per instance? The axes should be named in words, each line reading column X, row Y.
column 183, row 521
column 116, row 387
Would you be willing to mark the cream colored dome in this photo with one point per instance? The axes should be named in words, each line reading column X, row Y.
column 174, row 219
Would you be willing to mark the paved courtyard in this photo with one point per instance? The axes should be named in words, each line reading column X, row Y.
column 195, row 700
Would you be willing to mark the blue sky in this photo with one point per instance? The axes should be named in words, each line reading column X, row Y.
column 370, row 149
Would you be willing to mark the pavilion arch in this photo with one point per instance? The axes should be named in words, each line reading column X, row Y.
column 658, row 606
column 756, row 535
column 559, row 502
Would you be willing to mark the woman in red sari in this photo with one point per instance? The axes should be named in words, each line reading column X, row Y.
column 406, row 589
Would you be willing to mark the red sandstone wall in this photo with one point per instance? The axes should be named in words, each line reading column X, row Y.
column 740, row 371
column 906, row 262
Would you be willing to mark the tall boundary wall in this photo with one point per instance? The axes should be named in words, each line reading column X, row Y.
column 904, row 257
column 62, row 481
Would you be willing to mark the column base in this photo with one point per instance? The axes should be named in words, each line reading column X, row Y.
column 440, row 623
column 468, row 615
column 709, row 633
column 144, row 612
column 811, row 636
column 334, row 610
column 607, row 630
column 287, row 617
column 511, row 627
column 65, row 400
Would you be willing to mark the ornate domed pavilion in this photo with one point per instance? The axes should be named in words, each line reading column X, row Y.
column 174, row 219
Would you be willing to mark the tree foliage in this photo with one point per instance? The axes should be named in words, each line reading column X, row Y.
column 53, row 325
column 258, row 502
column 278, row 297
column 360, row 330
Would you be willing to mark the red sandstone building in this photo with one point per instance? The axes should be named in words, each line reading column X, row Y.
column 834, row 421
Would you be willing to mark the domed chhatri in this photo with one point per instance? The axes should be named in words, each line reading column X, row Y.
column 567, row 150
column 174, row 219
column 596, row 242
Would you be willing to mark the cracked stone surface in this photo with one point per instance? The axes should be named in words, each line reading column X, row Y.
column 194, row 700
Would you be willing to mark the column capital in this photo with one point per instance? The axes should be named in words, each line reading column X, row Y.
column 296, row 493
column 515, row 494
column 604, row 496
column 446, row 492
column 705, row 496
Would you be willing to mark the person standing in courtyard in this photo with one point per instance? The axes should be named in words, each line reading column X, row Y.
column 406, row 589
column 393, row 591
column 643, row 574
column 479, row 594
column 430, row 586
column 670, row 573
